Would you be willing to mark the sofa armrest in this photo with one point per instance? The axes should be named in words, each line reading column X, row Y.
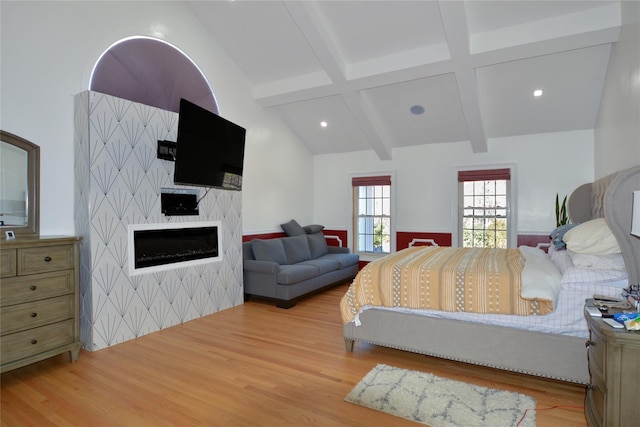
column 338, row 250
column 260, row 278
column 260, row 266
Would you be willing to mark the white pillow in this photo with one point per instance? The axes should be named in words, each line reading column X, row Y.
column 603, row 262
column 592, row 237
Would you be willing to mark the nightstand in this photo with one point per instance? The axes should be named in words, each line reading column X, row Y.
column 614, row 369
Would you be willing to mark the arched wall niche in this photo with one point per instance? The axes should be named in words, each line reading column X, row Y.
column 152, row 72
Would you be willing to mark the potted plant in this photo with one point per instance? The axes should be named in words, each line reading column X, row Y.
column 561, row 211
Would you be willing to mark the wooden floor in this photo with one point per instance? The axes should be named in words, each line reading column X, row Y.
column 252, row 365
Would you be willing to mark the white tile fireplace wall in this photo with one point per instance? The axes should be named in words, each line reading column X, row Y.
column 118, row 181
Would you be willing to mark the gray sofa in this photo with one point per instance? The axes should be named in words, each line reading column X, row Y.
column 286, row 268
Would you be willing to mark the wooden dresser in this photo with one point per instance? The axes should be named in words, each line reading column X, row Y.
column 614, row 367
column 39, row 299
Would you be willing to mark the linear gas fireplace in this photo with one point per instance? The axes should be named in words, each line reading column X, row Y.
column 157, row 247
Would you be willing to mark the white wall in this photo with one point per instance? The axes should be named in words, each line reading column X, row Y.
column 545, row 164
column 617, row 133
column 48, row 52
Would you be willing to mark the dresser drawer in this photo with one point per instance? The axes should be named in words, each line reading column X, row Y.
column 34, row 341
column 8, row 263
column 44, row 259
column 39, row 299
column 17, row 290
column 20, row 317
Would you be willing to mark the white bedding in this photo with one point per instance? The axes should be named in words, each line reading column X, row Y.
column 540, row 277
column 567, row 318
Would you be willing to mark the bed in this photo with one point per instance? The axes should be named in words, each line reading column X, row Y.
column 550, row 345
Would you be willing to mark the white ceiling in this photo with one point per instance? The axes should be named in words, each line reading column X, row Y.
column 473, row 65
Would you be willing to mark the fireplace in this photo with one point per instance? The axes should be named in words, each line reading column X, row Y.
column 158, row 247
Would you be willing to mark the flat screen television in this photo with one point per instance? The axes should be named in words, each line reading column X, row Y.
column 210, row 149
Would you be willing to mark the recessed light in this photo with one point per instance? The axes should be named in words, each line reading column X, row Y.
column 417, row 110
column 323, row 124
column 537, row 92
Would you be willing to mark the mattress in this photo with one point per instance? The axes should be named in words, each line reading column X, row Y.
column 568, row 317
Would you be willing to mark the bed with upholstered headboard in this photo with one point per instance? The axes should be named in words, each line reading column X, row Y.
column 501, row 342
column 611, row 197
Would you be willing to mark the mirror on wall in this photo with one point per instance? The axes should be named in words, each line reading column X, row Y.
column 19, row 185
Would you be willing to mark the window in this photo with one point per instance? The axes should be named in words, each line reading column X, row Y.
column 372, row 214
column 483, row 208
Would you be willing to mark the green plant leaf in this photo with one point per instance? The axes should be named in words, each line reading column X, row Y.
column 561, row 211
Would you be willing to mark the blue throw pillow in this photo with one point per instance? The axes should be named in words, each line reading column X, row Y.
column 313, row 228
column 558, row 234
column 292, row 228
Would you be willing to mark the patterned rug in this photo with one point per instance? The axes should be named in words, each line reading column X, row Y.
column 440, row 402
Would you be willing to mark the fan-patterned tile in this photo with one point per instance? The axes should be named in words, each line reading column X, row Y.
column 118, row 182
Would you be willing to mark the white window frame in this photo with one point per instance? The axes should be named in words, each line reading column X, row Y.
column 370, row 256
column 512, row 209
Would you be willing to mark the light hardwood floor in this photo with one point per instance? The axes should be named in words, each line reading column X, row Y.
column 252, row 365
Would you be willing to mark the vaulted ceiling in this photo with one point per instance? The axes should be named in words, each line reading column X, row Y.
column 468, row 68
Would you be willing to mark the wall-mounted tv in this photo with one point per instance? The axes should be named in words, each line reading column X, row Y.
column 210, row 149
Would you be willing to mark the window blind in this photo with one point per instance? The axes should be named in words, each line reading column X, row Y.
column 362, row 181
column 484, row 175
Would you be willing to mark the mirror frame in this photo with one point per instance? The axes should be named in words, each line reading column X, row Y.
column 33, row 185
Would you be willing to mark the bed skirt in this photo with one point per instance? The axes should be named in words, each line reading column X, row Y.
column 546, row 355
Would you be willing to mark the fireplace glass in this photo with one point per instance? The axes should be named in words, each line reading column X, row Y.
column 155, row 248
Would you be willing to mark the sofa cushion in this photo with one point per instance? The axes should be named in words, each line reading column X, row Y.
column 291, row 274
column 296, row 248
column 292, row 228
column 324, row 265
column 313, row 228
column 269, row 250
column 317, row 244
column 345, row 260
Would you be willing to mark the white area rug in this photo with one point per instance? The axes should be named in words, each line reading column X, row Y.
column 440, row 402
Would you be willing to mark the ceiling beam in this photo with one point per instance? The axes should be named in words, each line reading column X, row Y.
column 315, row 32
column 454, row 21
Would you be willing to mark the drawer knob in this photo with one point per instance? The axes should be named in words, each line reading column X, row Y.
column 47, row 259
column 33, row 287
column 34, row 314
column 34, row 342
